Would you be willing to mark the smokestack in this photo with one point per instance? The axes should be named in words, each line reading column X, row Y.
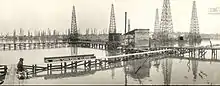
column 129, row 25
column 125, row 21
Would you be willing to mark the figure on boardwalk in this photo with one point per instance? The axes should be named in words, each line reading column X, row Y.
column 20, row 66
column 20, row 69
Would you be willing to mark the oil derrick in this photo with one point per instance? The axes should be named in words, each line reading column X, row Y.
column 14, row 36
column 6, row 37
column 35, row 35
column 167, row 69
column 43, row 36
column 91, row 31
column 54, row 36
column 49, row 35
column 29, row 37
column 166, row 24
column 87, row 34
column 38, row 36
column 113, row 38
column 87, row 31
column 74, row 33
column 21, row 37
column 194, row 35
column 156, row 26
column 112, row 25
column 94, row 31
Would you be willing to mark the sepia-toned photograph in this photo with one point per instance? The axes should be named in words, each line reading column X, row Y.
column 109, row 42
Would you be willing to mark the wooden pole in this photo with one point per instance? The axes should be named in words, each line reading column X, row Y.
column 5, row 69
column 64, row 67
column 50, row 68
column 9, row 46
column 61, row 66
column 3, row 46
column 14, row 46
column 47, row 68
column 33, row 69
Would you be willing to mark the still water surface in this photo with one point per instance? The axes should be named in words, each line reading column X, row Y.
column 160, row 71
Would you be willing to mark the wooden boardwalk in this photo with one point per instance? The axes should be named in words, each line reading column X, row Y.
column 3, row 71
column 89, row 66
column 197, row 59
column 89, row 70
column 45, row 45
column 122, row 57
column 11, row 78
column 190, row 47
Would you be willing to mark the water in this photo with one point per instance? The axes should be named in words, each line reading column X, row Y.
column 153, row 71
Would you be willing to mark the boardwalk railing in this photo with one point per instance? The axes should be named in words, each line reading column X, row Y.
column 87, row 69
column 88, row 63
column 44, row 45
column 68, row 58
column 3, row 69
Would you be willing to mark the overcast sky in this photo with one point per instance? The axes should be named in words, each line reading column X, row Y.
column 56, row 14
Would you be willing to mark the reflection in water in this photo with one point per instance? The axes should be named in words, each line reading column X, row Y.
column 188, row 65
column 113, row 73
column 113, row 53
column 167, row 69
column 194, row 43
column 66, row 74
column 181, row 43
column 157, row 64
column 74, row 49
column 142, row 65
column 155, row 43
column 194, row 69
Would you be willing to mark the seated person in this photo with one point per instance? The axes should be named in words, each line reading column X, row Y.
column 20, row 67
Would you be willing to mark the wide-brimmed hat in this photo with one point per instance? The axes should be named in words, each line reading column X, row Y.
column 21, row 59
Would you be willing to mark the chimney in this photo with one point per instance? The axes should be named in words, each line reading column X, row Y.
column 129, row 27
column 125, row 21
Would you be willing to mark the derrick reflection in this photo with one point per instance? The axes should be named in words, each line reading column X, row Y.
column 167, row 70
column 74, row 49
column 139, row 69
column 194, row 69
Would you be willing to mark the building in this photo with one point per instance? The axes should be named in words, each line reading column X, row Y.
column 137, row 38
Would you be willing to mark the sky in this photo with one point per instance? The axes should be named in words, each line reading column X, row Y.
column 56, row 14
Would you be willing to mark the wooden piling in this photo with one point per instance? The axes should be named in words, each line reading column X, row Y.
column 3, row 46
column 9, row 46
column 65, row 67
column 61, row 66
column 15, row 46
column 75, row 64
column 72, row 64
column 5, row 69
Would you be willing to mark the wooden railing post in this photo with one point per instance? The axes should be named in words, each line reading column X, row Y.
column 61, row 66
column 33, row 69
column 5, row 69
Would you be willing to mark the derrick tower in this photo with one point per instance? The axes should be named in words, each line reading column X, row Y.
column 112, row 25
column 166, row 24
column 113, row 37
column 74, row 32
column 156, row 25
column 194, row 34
